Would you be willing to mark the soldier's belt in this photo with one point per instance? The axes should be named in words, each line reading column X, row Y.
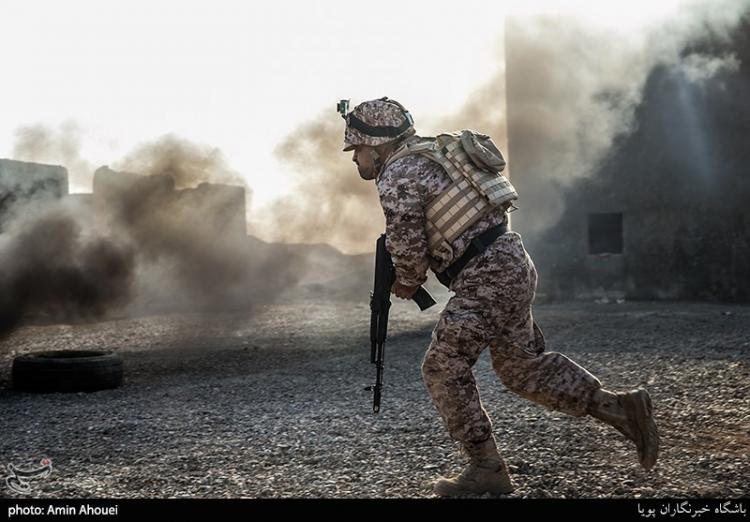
column 478, row 245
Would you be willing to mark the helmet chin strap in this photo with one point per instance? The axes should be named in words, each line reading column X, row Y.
column 377, row 163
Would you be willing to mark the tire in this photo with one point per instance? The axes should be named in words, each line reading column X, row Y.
column 67, row 371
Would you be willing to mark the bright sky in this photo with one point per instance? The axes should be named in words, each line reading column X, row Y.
column 238, row 75
column 241, row 75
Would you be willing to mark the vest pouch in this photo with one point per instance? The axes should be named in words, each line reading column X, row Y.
column 482, row 151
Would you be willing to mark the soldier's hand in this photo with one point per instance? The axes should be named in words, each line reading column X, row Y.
column 403, row 291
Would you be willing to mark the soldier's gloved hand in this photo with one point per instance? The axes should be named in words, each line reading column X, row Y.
column 403, row 291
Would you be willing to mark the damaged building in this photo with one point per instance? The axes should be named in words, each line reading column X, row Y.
column 132, row 198
column 666, row 214
column 23, row 182
column 125, row 196
column 185, row 248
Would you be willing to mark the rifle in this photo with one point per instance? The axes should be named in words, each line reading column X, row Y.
column 380, row 304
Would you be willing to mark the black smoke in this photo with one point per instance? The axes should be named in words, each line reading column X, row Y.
column 52, row 268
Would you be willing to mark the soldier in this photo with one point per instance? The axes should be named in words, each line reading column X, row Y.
column 445, row 204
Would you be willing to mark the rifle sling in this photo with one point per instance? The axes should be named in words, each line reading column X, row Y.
column 478, row 245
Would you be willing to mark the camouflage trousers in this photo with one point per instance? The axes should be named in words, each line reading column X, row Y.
column 492, row 307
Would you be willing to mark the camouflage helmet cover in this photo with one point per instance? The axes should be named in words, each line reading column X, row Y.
column 387, row 120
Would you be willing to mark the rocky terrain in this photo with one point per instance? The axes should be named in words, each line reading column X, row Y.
column 271, row 404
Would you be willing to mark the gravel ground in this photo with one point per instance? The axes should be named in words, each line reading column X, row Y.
column 272, row 405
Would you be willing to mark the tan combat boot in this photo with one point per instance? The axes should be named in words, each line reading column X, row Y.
column 630, row 413
column 485, row 473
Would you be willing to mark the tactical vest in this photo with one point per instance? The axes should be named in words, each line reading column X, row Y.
column 474, row 165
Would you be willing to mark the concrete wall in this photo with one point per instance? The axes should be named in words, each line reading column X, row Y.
column 23, row 182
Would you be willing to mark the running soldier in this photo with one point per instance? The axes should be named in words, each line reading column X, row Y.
column 446, row 207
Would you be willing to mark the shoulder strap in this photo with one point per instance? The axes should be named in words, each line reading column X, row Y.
column 412, row 145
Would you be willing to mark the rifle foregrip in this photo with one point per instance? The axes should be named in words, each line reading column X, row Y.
column 423, row 298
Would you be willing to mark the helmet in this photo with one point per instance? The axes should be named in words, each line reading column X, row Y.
column 376, row 122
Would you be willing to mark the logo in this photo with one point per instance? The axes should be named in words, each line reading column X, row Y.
column 19, row 479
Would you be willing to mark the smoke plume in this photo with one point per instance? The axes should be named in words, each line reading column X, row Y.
column 190, row 242
column 483, row 111
column 169, row 232
column 52, row 267
column 61, row 146
column 572, row 92
column 187, row 163
column 170, row 236
column 331, row 203
column 572, row 89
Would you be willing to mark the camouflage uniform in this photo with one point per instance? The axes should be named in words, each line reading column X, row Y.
column 491, row 307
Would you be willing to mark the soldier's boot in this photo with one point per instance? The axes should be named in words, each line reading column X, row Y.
column 485, row 473
column 631, row 414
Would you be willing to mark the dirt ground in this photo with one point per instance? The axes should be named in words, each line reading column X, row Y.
column 271, row 404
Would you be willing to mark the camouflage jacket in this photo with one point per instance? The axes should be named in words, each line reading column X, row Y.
column 405, row 186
